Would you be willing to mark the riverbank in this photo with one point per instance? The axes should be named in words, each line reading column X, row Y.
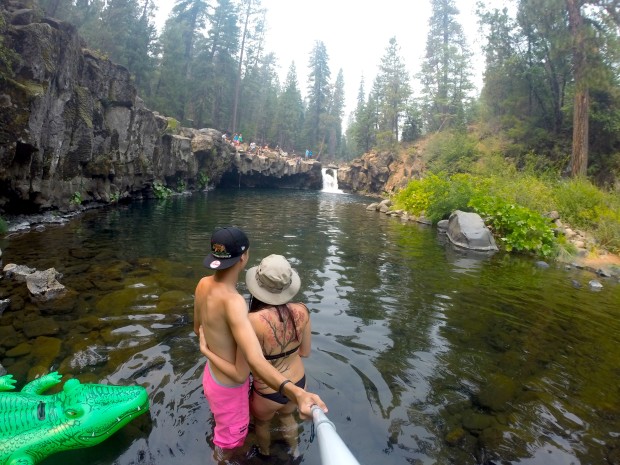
column 600, row 262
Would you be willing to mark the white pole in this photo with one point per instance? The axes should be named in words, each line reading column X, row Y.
column 333, row 449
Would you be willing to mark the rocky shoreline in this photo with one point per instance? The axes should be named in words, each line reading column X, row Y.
column 603, row 264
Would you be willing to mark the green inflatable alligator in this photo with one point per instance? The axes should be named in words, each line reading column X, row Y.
column 34, row 426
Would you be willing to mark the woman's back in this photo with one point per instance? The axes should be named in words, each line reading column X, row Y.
column 284, row 334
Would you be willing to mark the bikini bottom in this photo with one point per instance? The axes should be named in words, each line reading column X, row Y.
column 279, row 398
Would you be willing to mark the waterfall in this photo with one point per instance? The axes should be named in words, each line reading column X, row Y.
column 330, row 180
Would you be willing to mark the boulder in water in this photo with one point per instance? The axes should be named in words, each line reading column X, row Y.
column 467, row 230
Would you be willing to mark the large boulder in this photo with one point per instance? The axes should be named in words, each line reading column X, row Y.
column 467, row 230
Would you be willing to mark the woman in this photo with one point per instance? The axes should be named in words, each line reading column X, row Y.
column 283, row 329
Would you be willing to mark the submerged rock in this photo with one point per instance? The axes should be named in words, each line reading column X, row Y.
column 595, row 285
column 44, row 285
column 467, row 230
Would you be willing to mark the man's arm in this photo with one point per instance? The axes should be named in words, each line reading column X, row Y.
column 238, row 371
column 246, row 339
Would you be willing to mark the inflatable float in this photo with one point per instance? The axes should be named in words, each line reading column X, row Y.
column 34, row 426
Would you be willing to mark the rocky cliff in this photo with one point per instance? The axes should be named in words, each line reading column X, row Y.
column 374, row 174
column 73, row 129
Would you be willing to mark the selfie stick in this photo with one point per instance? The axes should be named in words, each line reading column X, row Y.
column 333, row 449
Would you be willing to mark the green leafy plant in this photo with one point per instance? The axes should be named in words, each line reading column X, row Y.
column 76, row 199
column 181, row 186
column 4, row 227
column 203, row 180
column 161, row 191
column 115, row 197
column 519, row 228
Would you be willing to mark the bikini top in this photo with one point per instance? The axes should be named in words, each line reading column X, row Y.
column 281, row 355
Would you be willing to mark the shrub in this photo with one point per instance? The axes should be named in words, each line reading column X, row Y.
column 161, row 191
column 4, row 227
column 452, row 152
column 580, row 202
column 416, row 197
column 452, row 194
column 76, row 198
column 203, row 180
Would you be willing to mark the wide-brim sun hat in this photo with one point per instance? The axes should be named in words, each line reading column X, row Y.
column 273, row 281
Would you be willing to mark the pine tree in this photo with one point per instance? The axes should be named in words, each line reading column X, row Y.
column 215, row 67
column 445, row 75
column 319, row 94
column 394, row 90
column 191, row 16
column 251, row 9
column 335, row 115
column 290, row 113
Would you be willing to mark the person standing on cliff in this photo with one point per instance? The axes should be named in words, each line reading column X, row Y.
column 221, row 314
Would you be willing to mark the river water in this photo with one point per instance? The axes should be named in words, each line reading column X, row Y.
column 423, row 355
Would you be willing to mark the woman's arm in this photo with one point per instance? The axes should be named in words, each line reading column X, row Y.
column 237, row 371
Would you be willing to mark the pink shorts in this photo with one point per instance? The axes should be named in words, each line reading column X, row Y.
column 231, row 409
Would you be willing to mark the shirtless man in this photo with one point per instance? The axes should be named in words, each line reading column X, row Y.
column 223, row 314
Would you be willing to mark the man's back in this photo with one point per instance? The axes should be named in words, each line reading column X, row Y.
column 214, row 300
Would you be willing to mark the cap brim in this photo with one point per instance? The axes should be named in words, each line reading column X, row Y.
column 271, row 298
column 214, row 263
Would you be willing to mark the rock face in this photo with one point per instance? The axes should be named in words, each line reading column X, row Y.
column 273, row 170
column 467, row 230
column 72, row 128
column 368, row 174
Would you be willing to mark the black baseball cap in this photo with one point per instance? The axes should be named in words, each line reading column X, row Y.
column 227, row 246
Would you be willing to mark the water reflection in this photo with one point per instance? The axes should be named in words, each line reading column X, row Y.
column 424, row 354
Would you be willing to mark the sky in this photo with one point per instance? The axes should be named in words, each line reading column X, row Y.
column 356, row 34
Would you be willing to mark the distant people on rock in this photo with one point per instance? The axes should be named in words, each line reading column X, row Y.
column 236, row 139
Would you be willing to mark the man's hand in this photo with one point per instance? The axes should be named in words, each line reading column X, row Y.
column 204, row 348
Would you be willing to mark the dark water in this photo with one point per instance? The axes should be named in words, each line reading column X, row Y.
column 423, row 355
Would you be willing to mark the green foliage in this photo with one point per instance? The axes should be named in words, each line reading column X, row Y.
column 452, row 152
column 519, row 228
column 76, row 199
column 181, row 186
column 173, row 126
column 454, row 194
column 417, row 196
column 115, row 197
column 445, row 75
column 203, row 180
column 4, row 227
column 581, row 203
column 585, row 206
column 161, row 191
column 392, row 90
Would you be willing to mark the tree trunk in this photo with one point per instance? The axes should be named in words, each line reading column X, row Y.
column 579, row 157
